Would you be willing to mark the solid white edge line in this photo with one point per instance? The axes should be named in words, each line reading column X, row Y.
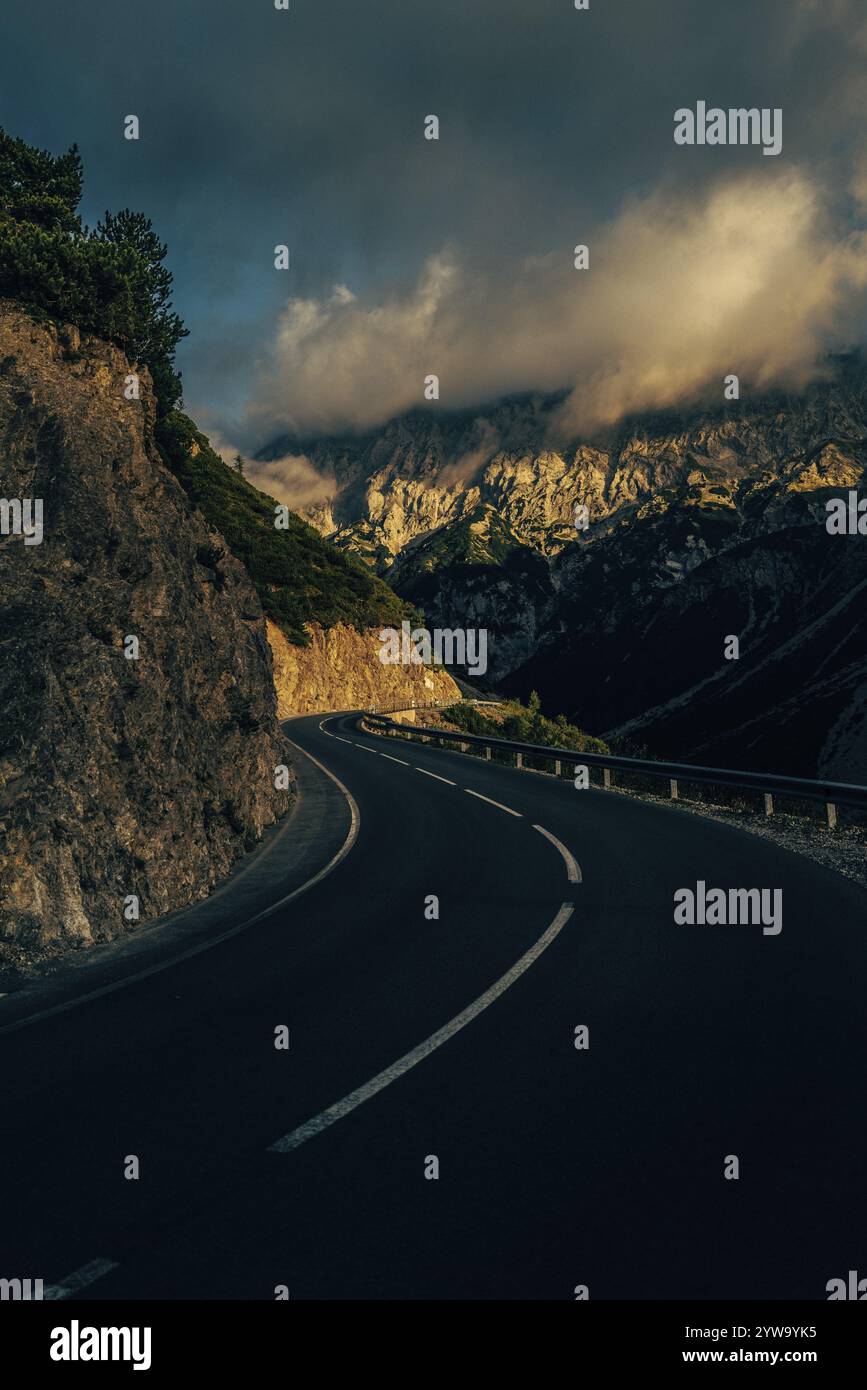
column 343, row 1107
column 203, row 946
column 447, row 781
column 402, row 761
column 573, row 868
column 498, row 804
column 79, row 1279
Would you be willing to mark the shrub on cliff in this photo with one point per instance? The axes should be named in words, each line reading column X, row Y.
column 524, row 725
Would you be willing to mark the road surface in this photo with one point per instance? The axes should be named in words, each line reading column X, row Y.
column 413, row 1038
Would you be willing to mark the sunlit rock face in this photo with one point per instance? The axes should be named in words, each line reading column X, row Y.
column 341, row 669
column 121, row 776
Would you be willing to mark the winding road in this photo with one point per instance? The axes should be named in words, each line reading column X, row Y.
column 415, row 1037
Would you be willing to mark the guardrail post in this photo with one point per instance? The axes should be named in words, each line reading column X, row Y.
column 769, row 804
column 832, row 815
column 606, row 778
column 673, row 786
column 519, row 760
column 463, row 747
column 556, row 767
column 488, row 754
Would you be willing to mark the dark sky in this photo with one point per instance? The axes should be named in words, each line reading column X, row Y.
column 260, row 127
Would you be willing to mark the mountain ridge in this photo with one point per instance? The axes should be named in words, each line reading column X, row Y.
column 472, row 518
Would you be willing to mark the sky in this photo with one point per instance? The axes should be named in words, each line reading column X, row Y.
column 411, row 257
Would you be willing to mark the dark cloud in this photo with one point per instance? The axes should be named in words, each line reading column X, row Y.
column 305, row 127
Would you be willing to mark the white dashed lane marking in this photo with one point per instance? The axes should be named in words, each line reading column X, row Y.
column 498, row 804
column 374, row 751
column 79, row 1279
column 573, row 868
column 402, row 761
column 437, row 776
column 343, row 1107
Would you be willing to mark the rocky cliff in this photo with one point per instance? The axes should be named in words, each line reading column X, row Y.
column 139, row 736
column 340, row 669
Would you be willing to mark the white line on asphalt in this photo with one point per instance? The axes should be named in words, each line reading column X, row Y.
column 374, row 751
column 351, row 837
column 335, row 1112
column 402, row 761
column 498, row 804
column 573, row 868
column 437, row 776
column 326, row 732
column 343, row 740
column 79, row 1279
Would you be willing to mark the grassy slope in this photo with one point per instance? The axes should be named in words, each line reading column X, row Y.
column 457, row 543
column 300, row 577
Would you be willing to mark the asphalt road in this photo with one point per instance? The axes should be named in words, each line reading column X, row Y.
column 558, row 1167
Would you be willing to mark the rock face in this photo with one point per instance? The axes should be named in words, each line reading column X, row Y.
column 427, row 470
column 701, row 526
column 638, row 649
column 119, row 777
column 430, row 469
column 340, row 669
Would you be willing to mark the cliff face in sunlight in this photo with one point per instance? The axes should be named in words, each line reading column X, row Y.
column 119, row 777
column 340, row 669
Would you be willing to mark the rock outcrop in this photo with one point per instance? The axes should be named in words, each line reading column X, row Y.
column 340, row 669
column 128, row 768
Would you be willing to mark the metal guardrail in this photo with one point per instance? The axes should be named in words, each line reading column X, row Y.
column 434, row 704
column 771, row 784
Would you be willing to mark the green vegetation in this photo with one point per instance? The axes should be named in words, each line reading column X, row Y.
column 300, row 578
column 479, row 538
column 110, row 280
column 524, row 725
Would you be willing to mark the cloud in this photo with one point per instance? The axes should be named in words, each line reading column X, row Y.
column 753, row 280
column 343, row 364
column 464, row 469
column 308, row 131
column 749, row 276
column 291, row 479
column 845, row 16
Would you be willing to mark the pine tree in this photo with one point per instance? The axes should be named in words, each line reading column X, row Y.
column 151, row 331
column 110, row 281
column 39, row 187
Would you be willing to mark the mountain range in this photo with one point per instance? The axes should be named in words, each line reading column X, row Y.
column 701, row 526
